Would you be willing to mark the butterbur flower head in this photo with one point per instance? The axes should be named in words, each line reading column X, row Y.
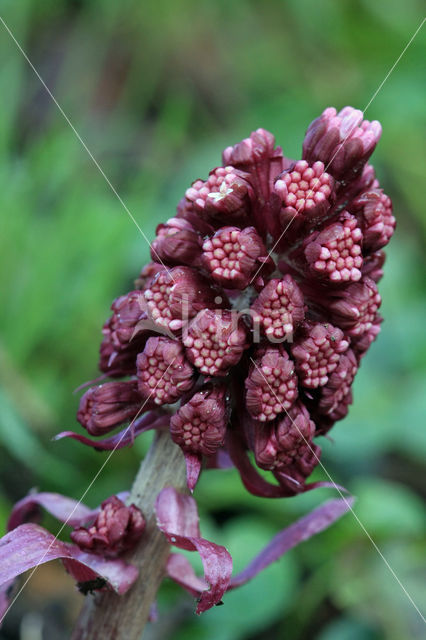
column 232, row 256
column 294, row 476
column 374, row 210
column 215, row 341
column 117, row 529
column 253, row 150
column 177, row 243
column 361, row 343
column 306, row 192
column 336, row 396
column 125, row 323
column 117, row 363
column 355, row 309
column 125, row 333
column 147, row 274
column 262, row 162
column 335, row 252
column 163, row 372
column 225, row 195
column 294, row 433
column 199, row 426
column 317, row 354
column 286, row 448
column 279, row 308
column 108, row 405
column 271, row 386
column 342, row 140
column 176, row 295
column 264, row 284
column 373, row 265
column 366, row 180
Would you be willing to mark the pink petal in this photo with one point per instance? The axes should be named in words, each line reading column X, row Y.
column 177, row 518
column 250, row 477
column 193, row 468
column 29, row 545
column 303, row 529
column 118, row 574
column 62, row 508
column 180, row 570
column 125, row 437
column 256, row 484
column 177, row 515
column 72, row 512
column 6, row 596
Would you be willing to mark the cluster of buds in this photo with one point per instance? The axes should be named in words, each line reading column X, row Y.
column 116, row 529
column 250, row 322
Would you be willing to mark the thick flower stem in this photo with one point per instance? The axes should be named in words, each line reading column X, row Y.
column 107, row 615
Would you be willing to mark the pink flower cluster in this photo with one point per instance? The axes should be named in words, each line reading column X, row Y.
column 250, row 323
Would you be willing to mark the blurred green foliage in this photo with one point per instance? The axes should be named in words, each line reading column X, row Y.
column 156, row 90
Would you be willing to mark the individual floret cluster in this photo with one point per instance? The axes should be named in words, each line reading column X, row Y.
column 116, row 529
column 249, row 324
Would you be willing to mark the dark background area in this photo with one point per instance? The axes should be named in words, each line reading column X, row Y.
column 156, row 90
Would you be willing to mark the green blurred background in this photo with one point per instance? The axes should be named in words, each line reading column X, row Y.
column 156, row 89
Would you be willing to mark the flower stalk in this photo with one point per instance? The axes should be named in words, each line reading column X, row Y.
column 106, row 615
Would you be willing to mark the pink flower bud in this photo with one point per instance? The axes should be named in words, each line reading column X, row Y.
column 117, row 528
column 336, row 396
column 224, row 196
column 317, row 354
column 306, row 193
column 362, row 342
column 259, row 146
column 164, row 374
column 279, row 308
column 200, row 425
column 117, row 363
column 373, row 265
column 342, row 141
column 176, row 296
column 374, row 210
column 147, row 274
column 177, row 243
column 108, row 405
column 271, row 386
column 294, row 476
column 125, row 334
column 335, row 252
column 285, row 447
column 355, row 308
column 367, row 179
column 257, row 156
column 233, row 256
column 126, row 323
column 215, row 341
